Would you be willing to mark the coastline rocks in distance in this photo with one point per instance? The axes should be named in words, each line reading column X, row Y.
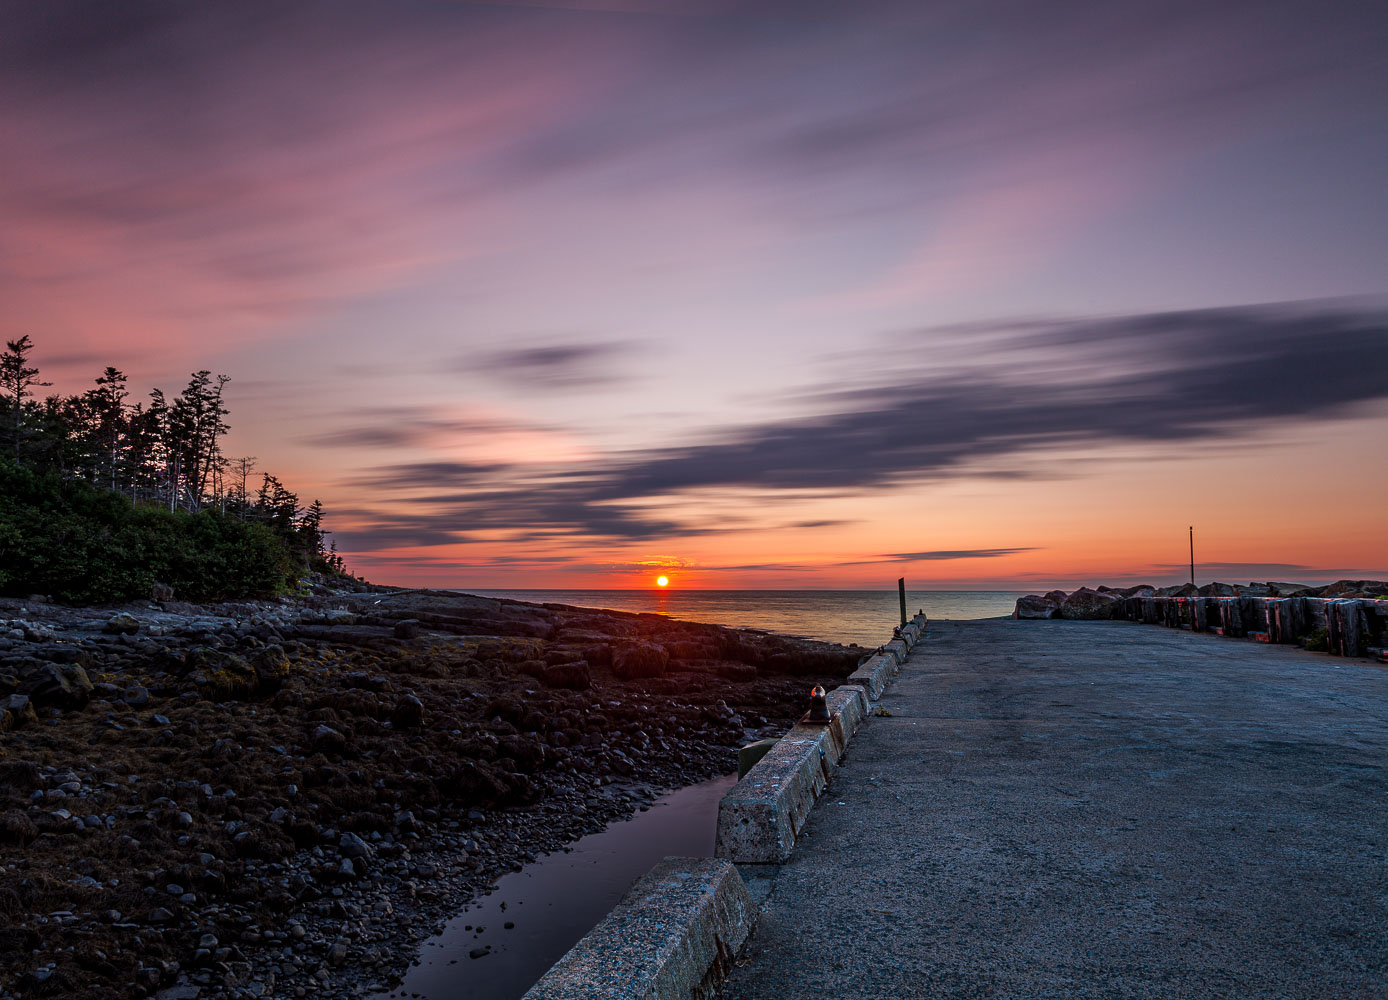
column 1085, row 603
column 1088, row 605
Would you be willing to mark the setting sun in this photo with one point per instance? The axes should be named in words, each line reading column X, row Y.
column 662, row 581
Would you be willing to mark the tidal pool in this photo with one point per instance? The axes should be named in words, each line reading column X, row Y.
column 557, row 899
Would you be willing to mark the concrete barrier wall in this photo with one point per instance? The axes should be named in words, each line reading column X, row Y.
column 676, row 932
column 673, row 936
column 874, row 674
column 1353, row 626
column 760, row 817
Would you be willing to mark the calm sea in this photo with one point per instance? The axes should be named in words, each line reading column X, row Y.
column 862, row 616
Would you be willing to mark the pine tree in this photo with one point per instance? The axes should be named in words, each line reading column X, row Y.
column 311, row 531
column 108, row 410
column 17, row 379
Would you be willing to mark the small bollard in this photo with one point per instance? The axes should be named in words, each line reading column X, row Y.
column 819, row 706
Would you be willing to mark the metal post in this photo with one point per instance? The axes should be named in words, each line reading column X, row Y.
column 901, row 592
column 1192, row 555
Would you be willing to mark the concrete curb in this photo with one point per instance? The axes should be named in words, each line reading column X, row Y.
column 874, row 674
column 672, row 937
column 878, row 669
column 760, row 817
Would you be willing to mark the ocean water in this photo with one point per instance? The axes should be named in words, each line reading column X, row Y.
column 862, row 616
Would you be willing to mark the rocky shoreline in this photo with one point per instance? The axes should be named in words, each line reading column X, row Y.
column 285, row 798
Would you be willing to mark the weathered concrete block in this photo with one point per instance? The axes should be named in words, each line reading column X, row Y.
column 900, row 648
column 760, row 817
column 673, row 936
column 874, row 674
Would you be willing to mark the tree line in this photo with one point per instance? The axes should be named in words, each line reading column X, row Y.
column 163, row 459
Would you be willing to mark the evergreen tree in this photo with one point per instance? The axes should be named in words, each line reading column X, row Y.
column 65, row 528
column 17, row 380
column 109, row 424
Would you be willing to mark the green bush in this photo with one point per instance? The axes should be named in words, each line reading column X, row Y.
column 85, row 545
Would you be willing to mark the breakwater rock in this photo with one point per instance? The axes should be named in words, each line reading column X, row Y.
column 282, row 799
column 1102, row 603
column 1347, row 618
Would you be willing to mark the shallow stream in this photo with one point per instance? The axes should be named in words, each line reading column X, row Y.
column 554, row 901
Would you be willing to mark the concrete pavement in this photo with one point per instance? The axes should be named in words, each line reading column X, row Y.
column 1093, row 809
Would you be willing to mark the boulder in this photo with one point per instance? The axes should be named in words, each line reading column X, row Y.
column 1219, row 590
column 63, row 685
column 271, row 669
column 19, row 710
column 35, row 632
column 407, row 628
column 161, row 592
column 408, row 713
column 221, row 676
column 1141, row 590
column 1056, row 595
column 568, row 676
column 1355, row 588
column 327, row 738
column 1184, row 590
column 354, row 847
column 121, row 624
column 1088, row 605
column 600, row 655
column 1033, row 606
column 640, row 660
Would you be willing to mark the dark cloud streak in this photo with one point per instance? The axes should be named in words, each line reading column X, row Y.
column 1156, row 379
column 551, row 366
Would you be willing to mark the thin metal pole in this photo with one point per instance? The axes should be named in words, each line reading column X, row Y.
column 1192, row 555
column 901, row 593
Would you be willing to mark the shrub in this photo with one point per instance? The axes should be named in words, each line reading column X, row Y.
column 86, row 545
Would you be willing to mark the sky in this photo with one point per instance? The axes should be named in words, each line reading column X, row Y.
column 751, row 295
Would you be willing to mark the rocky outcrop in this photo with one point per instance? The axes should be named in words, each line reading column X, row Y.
column 572, row 676
column 57, row 685
column 640, row 660
column 1036, row 607
column 1088, row 605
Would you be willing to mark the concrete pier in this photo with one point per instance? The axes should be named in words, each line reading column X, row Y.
column 1092, row 809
